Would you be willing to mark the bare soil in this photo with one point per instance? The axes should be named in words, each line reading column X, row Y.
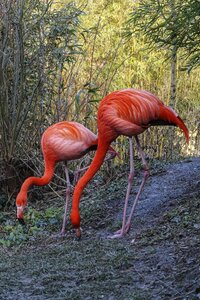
column 158, row 259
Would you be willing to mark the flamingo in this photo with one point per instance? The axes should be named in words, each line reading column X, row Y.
column 62, row 141
column 126, row 112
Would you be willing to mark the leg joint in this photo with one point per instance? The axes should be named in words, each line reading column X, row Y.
column 68, row 190
column 146, row 172
column 131, row 176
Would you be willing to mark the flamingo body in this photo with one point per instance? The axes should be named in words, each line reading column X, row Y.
column 66, row 141
column 130, row 112
column 126, row 112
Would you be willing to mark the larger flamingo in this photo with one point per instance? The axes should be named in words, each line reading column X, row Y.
column 62, row 141
column 126, row 112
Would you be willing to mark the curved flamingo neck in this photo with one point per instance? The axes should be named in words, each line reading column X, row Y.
column 94, row 167
column 40, row 181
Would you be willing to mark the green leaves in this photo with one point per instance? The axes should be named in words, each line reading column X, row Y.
column 35, row 49
column 168, row 24
column 37, row 223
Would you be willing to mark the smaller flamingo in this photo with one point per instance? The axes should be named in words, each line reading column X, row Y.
column 63, row 141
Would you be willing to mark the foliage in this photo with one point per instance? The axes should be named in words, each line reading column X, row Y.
column 169, row 24
column 37, row 224
column 36, row 41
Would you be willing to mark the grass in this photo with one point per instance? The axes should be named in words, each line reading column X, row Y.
column 93, row 268
column 158, row 259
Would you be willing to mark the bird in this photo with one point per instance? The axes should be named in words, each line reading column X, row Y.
column 127, row 112
column 63, row 141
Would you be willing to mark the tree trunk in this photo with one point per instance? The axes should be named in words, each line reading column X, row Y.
column 172, row 102
column 173, row 78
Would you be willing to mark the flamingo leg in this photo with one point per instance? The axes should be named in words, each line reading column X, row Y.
column 126, row 226
column 77, row 174
column 145, row 176
column 112, row 155
column 67, row 199
column 122, row 231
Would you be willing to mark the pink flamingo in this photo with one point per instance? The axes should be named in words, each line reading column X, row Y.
column 126, row 112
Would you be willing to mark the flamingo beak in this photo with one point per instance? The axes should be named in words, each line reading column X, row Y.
column 22, row 222
column 20, row 215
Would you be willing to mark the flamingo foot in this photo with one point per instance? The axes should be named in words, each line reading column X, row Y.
column 121, row 232
column 62, row 233
column 116, row 235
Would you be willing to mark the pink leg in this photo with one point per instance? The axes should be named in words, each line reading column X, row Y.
column 126, row 227
column 145, row 176
column 112, row 155
column 67, row 200
column 122, row 231
column 77, row 174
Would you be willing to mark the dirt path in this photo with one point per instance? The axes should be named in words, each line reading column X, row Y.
column 158, row 259
column 174, row 181
column 161, row 190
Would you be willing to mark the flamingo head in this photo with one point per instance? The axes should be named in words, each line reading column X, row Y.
column 21, row 202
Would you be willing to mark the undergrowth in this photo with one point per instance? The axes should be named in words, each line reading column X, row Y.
column 37, row 223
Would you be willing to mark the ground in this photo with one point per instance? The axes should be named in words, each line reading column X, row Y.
column 158, row 259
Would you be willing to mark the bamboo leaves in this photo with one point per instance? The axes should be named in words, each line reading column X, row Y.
column 169, row 23
column 37, row 42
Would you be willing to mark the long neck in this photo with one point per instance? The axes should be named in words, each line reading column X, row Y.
column 94, row 167
column 40, row 181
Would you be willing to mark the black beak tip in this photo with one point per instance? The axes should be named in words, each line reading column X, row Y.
column 22, row 222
